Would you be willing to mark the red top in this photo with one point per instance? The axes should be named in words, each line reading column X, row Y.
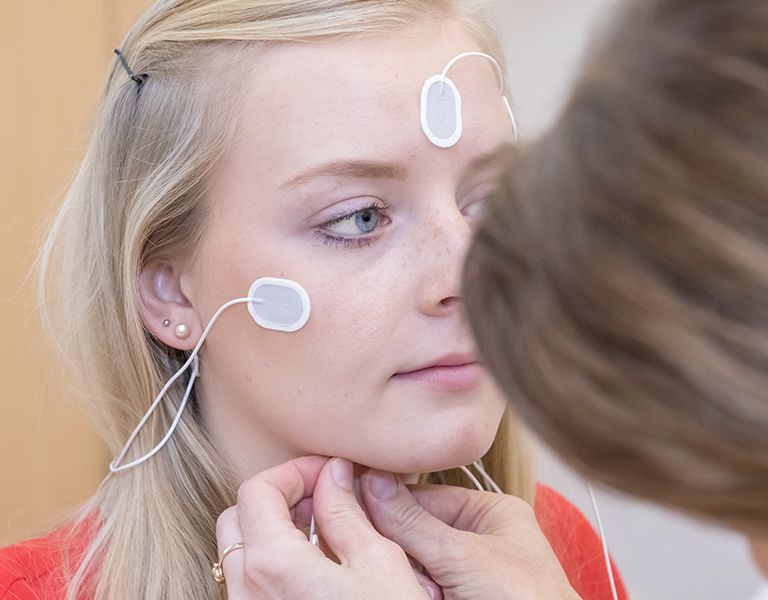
column 32, row 570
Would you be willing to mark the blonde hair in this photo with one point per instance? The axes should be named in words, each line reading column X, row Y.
column 618, row 287
column 139, row 193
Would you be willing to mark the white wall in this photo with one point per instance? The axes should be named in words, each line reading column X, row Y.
column 662, row 555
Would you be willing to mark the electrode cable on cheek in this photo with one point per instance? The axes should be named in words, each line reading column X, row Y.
column 275, row 304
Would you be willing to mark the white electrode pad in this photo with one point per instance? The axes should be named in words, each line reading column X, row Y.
column 278, row 304
column 441, row 111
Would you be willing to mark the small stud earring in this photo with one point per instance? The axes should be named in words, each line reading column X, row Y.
column 182, row 331
column 166, row 323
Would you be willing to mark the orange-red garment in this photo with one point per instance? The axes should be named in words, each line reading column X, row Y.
column 577, row 546
column 33, row 570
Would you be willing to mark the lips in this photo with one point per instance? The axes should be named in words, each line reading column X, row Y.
column 450, row 373
column 449, row 360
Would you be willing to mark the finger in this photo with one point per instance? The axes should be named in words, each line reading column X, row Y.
column 228, row 533
column 398, row 516
column 265, row 501
column 343, row 525
column 485, row 513
column 302, row 513
column 433, row 591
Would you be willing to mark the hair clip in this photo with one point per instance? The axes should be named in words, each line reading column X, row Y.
column 139, row 79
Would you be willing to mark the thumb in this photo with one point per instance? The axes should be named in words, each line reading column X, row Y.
column 342, row 522
column 398, row 516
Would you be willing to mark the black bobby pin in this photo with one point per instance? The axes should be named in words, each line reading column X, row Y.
column 139, row 79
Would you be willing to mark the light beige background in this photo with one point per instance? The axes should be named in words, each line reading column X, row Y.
column 54, row 55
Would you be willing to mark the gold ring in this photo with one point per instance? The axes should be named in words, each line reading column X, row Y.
column 217, row 570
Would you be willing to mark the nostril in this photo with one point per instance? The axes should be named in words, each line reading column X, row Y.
column 451, row 301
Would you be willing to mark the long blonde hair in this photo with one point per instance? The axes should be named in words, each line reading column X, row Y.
column 139, row 193
column 619, row 284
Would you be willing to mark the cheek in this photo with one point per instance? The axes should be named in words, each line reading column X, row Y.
column 333, row 361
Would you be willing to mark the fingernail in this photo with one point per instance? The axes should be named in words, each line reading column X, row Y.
column 430, row 592
column 383, row 485
column 342, row 473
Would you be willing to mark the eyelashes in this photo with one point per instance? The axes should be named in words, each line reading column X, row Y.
column 337, row 241
column 363, row 216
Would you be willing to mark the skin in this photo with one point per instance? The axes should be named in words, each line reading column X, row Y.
column 759, row 547
column 475, row 545
column 384, row 301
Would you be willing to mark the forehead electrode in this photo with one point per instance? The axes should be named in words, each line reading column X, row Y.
column 441, row 105
column 278, row 304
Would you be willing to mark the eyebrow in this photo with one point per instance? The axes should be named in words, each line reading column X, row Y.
column 366, row 169
column 494, row 158
column 361, row 169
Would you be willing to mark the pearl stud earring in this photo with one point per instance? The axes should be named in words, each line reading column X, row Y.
column 182, row 331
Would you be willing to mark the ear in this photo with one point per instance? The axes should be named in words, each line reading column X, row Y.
column 162, row 301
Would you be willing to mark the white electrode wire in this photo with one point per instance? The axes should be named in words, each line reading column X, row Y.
column 115, row 465
column 500, row 74
column 488, row 479
column 511, row 117
column 114, row 469
column 606, row 553
column 472, row 478
column 453, row 61
column 312, row 535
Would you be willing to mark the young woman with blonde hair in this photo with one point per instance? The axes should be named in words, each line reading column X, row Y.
column 243, row 139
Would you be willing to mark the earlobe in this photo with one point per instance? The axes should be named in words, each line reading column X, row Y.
column 166, row 312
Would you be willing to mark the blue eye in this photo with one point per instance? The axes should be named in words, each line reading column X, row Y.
column 361, row 222
column 353, row 228
column 367, row 220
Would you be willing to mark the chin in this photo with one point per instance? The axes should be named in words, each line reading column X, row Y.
column 452, row 447
column 460, row 453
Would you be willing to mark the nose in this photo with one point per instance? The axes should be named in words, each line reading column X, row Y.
column 445, row 244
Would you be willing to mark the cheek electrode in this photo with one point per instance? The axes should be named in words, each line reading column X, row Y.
column 274, row 304
column 441, row 106
column 278, row 304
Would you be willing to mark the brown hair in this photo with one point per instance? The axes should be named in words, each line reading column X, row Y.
column 618, row 285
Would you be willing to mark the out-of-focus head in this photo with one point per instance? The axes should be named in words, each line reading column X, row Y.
column 618, row 286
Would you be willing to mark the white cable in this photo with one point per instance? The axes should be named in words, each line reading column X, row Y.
column 501, row 77
column 312, row 535
column 606, row 553
column 453, row 61
column 473, row 479
column 488, row 479
column 115, row 465
column 512, row 117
